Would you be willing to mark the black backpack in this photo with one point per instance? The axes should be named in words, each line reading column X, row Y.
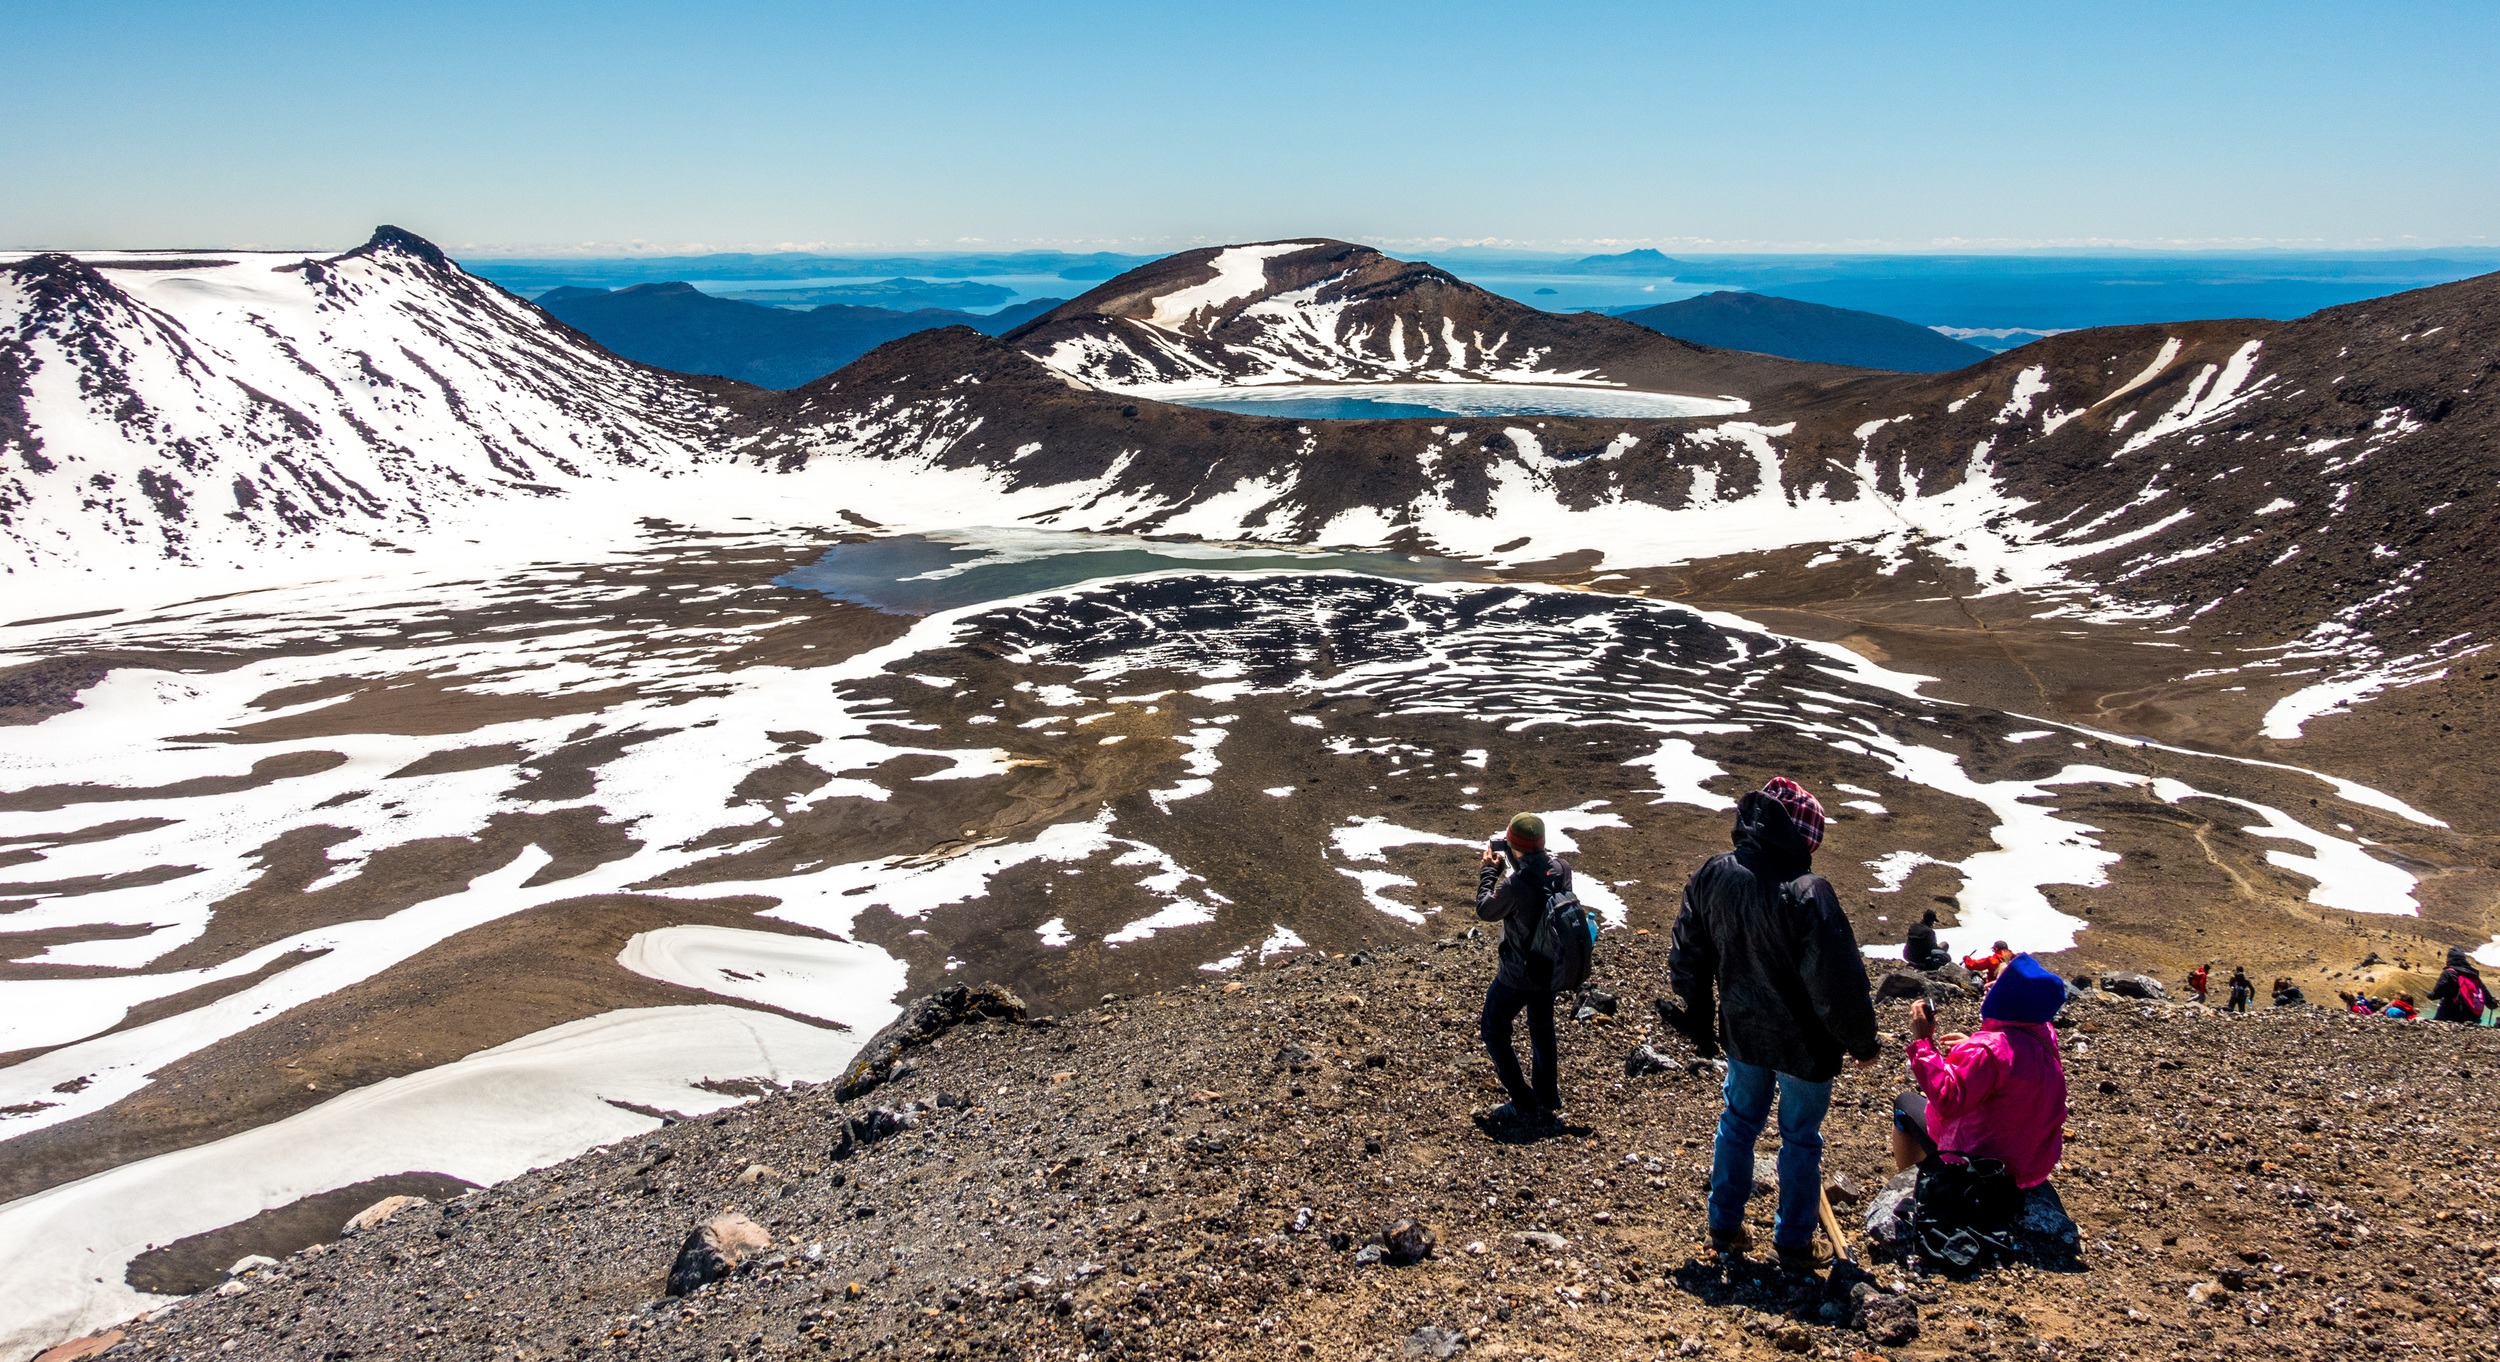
column 1565, row 938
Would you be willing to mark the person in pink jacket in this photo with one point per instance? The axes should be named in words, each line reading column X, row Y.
column 1999, row 1094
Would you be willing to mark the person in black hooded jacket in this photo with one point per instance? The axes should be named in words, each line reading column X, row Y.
column 1767, row 965
column 1923, row 950
column 2449, row 993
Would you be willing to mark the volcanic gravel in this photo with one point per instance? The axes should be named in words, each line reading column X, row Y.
column 1195, row 1174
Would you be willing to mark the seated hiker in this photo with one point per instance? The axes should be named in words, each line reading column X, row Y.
column 1999, row 1094
column 1923, row 950
column 1986, row 965
column 2460, row 992
column 2402, row 1009
column 1515, row 877
column 2288, row 994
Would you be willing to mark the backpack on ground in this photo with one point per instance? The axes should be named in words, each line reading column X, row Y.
column 1965, row 1213
column 1565, row 938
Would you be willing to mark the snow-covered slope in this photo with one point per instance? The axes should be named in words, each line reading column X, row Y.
column 1317, row 311
column 211, row 408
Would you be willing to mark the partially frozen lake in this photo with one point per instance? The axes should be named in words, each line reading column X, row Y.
column 921, row 574
column 1372, row 401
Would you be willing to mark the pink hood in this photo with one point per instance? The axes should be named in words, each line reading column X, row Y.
column 1999, row 1095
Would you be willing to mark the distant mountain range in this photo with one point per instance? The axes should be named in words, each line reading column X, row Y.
column 677, row 326
column 530, row 277
column 901, row 295
column 1830, row 335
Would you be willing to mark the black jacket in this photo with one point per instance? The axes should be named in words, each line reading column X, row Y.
column 1515, row 900
column 2445, row 992
column 1766, row 934
column 1923, row 951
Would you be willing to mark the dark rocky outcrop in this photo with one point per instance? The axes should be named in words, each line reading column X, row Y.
column 923, row 1020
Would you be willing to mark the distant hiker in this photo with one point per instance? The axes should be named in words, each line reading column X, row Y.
column 2402, row 1009
column 2359, row 1004
column 2198, row 978
column 1766, row 964
column 2460, row 993
column 1923, row 950
column 2000, row 1094
column 1516, row 880
column 2288, row 994
column 2241, row 991
column 1987, row 965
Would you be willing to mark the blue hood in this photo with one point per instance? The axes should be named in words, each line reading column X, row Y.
column 2026, row 991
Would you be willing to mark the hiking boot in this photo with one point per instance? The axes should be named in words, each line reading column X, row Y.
column 1804, row 1259
column 1735, row 1243
column 1509, row 1114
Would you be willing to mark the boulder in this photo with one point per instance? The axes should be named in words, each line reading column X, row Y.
column 1961, row 979
column 924, row 1020
column 379, row 1212
column 79, row 1349
column 1902, row 983
column 713, row 1250
column 2127, row 985
column 1409, row 1241
column 2048, row 1235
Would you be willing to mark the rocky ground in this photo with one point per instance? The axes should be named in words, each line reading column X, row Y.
column 1195, row 1174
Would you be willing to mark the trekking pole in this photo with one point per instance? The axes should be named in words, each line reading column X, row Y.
column 1831, row 1226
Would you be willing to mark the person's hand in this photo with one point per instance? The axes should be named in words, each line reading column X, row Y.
column 1490, row 857
column 1922, row 1020
column 1867, row 1063
column 1950, row 1039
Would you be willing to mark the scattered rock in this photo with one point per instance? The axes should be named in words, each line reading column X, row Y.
column 1842, row 1189
column 875, row 1125
column 714, row 1250
column 754, row 1173
column 379, row 1212
column 1435, row 1342
column 1592, row 1005
column 1644, row 1061
column 1887, row 1320
column 235, row 1288
column 1544, row 1239
column 254, row 1263
column 1409, row 1241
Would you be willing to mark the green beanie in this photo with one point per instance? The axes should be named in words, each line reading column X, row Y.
column 1527, row 832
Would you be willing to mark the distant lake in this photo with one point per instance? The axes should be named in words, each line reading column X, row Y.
column 921, row 574
column 1373, row 401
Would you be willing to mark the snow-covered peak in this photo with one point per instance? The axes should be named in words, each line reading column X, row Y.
column 216, row 407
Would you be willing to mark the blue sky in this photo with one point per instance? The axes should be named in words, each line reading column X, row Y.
column 537, row 128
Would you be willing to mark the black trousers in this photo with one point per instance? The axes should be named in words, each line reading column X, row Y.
column 1502, row 1003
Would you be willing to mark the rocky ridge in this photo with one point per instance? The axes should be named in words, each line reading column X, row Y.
column 1218, row 1172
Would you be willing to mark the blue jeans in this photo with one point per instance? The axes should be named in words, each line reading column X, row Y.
column 1503, row 1003
column 1802, row 1105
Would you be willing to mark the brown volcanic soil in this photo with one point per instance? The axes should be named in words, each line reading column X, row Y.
column 1126, row 1183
